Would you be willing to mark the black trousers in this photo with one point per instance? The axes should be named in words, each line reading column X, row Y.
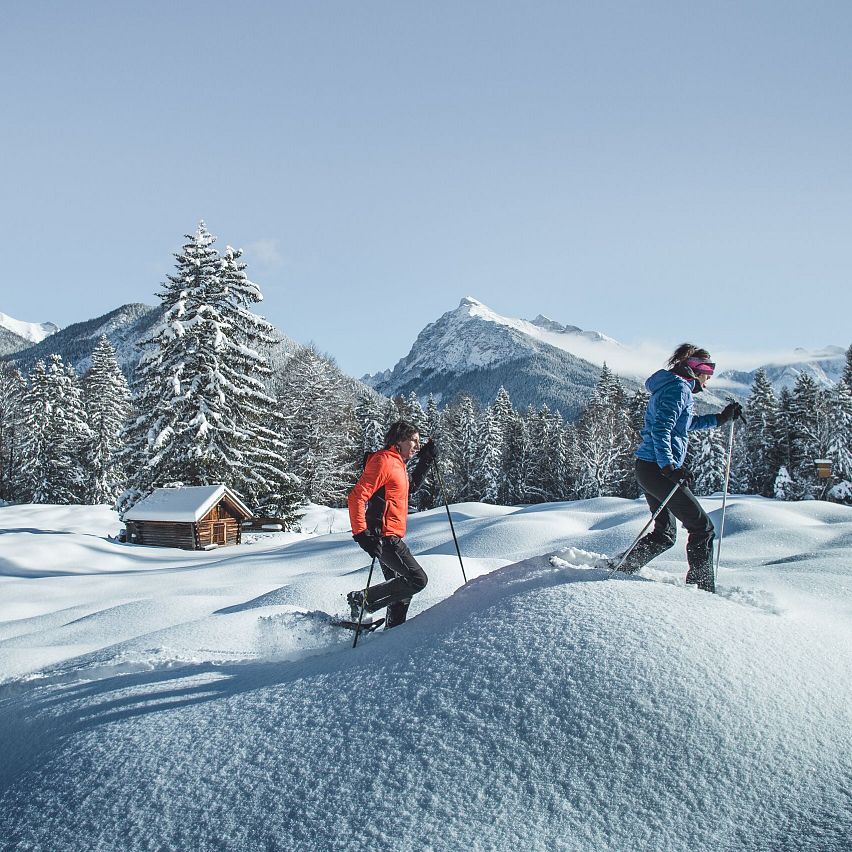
column 404, row 578
column 685, row 508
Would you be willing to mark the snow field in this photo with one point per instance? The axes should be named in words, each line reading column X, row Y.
column 546, row 705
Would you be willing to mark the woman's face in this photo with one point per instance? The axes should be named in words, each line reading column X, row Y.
column 702, row 378
column 409, row 447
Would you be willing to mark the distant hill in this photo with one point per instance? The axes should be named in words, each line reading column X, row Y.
column 11, row 342
column 124, row 327
column 34, row 332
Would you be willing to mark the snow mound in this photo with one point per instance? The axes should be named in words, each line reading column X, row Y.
column 547, row 704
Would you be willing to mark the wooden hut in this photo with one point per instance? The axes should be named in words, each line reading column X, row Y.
column 196, row 517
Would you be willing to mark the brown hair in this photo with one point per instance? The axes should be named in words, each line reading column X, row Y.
column 399, row 431
column 687, row 350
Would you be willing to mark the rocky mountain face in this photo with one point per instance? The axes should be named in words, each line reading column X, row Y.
column 473, row 350
column 11, row 342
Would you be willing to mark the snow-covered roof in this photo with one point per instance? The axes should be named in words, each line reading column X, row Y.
column 185, row 505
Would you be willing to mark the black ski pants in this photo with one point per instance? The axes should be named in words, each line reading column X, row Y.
column 685, row 508
column 404, row 578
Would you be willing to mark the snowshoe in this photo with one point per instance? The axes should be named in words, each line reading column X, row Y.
column 366, row 626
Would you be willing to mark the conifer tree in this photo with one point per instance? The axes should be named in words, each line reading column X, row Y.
column 462, row 436
column 708, row 460
column 604, row 440
column 519, row 458
column 761, row 436
column 412, row 411
column 808, row 436
column 13, row 388
column 559, row 483
column 783, row 435
column 503, row 417
column 320, row 427
column 164, row 372
column 488, row 464
column 369, row 413
column 57, row 436
column 636, row 407
column 429, row 494
column 107, row 402
column 839, row 449
column 202, row 414
column 847, row 369
column 539, row 482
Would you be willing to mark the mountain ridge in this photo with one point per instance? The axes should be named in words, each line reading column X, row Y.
column 474, row 350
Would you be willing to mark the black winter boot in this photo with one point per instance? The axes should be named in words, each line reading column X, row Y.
column 702, row 576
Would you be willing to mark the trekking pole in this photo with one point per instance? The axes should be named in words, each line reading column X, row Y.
column 363, row 604
column 654, row 517
column 449, row 516
column 724, row 500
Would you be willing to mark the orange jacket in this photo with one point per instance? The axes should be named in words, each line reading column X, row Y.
column 384, row 469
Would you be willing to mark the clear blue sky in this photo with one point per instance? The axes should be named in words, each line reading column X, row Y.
column 650, row 170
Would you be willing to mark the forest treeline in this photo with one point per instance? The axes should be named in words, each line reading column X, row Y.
column 207, row 405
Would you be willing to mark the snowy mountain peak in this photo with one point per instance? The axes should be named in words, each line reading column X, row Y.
column 35, row 332
column 475, row 350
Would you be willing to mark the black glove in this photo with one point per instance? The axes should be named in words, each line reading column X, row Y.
column 732, row 411
column 428, row 452
column 369, row 542
column 682, row 475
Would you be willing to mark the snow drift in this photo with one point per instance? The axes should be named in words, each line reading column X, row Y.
column 545, row 705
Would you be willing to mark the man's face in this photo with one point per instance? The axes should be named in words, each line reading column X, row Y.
column 409, row 447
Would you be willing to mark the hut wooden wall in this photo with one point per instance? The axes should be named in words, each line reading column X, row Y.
column 222, row 525
column 162, row 534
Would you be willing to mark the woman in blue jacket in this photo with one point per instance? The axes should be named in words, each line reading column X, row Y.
column 660, row 458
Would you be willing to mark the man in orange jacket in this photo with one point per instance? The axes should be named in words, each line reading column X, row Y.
column 378, row 510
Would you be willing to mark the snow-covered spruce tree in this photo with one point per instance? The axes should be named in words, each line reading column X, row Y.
column 636, row 407
column 539, row 481
column 783, row 434
column 808, row 437
column 412, row 411
column 707, row 458
column 503, row 416
column 202, row 414
column 488, row 464
column 559, row 482
column 847, row 369
column 604, row 440
column 429, row 494
column 107, row 401
column 57, row 436
column 784, row 488
column 840, row 442
column 369, row 413
column 13, row 388
column 518, row 458
column 320, row 426
column 764, row 456
column 161, row 379
column 462, row 436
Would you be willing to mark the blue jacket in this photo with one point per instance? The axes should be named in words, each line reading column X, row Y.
column 668, row 419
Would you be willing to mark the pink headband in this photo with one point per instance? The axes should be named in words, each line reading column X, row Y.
column 698, row 365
